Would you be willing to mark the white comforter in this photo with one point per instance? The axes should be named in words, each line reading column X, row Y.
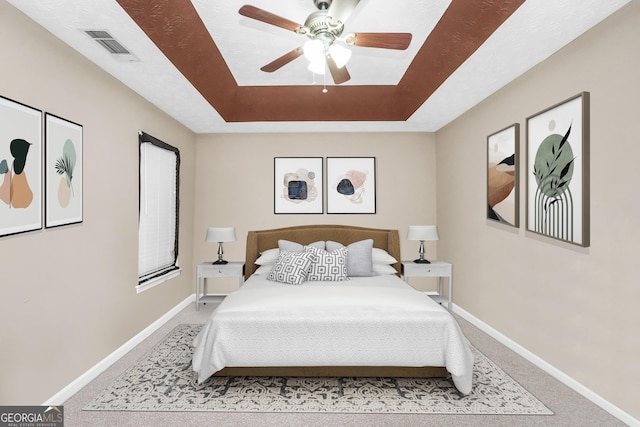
column 374, row 321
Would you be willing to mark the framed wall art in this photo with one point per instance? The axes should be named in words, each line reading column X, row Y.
column 502, row 175
column 20, row 167
column 558, row 171
column 351, row 185
column 63, row 171
column 298, row 185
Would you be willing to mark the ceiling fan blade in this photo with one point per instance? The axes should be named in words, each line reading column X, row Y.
column 268, row 17
column 340, row 10
column 399, row 41
column 340, row 75
column 282, row 61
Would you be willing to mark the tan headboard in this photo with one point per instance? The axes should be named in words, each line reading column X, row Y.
column 261, row 240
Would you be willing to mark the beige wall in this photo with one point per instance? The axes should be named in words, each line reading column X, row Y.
column 67, row 296
column 234, row 184
column 576, row 308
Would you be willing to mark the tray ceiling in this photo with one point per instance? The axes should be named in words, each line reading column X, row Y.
column 199, row 60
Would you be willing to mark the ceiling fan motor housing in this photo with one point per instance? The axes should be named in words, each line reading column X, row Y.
column 322, row 4
column 321, row 28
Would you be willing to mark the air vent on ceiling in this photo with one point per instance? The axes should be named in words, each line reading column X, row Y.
column 113, row 46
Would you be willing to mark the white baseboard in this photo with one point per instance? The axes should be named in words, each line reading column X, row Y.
column 59, row 398
column 548, row 368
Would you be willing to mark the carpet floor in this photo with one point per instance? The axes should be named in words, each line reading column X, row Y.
column 162, row 380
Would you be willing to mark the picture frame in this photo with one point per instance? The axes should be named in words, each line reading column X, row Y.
column 351, row 185
column 63, row 171
column 20, row 167
column 558, row 171
column 503, row 187
column 298, row 185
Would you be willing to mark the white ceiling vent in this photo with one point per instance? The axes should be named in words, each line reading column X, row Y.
column 113, row 46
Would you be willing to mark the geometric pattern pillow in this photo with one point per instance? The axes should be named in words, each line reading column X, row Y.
column 330, row 266
column 291, row 267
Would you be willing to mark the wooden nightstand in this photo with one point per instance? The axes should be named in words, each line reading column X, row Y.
column 439, row 269
column 207, row 270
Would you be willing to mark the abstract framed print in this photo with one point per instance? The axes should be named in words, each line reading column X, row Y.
column 63, row 171
column 297, row 186
column 351, row 185
column 558, row 171
column 502, row 175
column 20, row 167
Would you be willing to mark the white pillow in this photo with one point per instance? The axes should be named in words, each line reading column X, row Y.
column 331, row 266
column 359, row 257
column 286, row 245
column 263, row 269
column 291, row 267
column 383, row 269
column 268, row 257
column 380, row 256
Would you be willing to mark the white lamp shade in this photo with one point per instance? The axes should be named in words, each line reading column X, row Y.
column 340, row 55
column 221, row 234
column 314, row 50
column 316, row 67
column 422, row 232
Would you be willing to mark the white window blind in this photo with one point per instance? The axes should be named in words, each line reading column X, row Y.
column 158, row 218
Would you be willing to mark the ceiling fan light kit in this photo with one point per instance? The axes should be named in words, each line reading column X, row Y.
column 340, row 54
column 324, row 28
column 314, row 50
column 316, row 67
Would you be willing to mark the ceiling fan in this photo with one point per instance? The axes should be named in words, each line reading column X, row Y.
column 324, row 27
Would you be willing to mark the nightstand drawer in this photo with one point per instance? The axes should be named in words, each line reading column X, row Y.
column 434, row 269
column 232, row 269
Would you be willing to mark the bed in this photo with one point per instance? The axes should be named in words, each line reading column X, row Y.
column 367, row 325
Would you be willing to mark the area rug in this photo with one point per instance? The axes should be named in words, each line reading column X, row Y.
column 163, row 380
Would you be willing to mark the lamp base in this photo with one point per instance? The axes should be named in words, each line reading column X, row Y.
column 422, row 261
column 220, row 261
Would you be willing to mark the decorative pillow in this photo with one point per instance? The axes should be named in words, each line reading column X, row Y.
column 291, row 267
column 286, row 245
column 268, row 257
column 380, row 256
column 382, row 269
column 331, row 266
column 359, row 257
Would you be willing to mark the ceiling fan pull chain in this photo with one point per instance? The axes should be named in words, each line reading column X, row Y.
column 324, row 77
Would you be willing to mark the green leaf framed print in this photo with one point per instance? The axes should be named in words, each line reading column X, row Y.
column 558, row 171
column 63, row 171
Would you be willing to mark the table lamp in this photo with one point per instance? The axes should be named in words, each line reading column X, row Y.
column 422, row 233
column 220, row 234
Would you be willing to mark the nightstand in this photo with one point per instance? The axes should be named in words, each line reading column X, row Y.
column 439, row 269
column 208, row 270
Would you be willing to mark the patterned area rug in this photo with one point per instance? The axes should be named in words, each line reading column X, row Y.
column 163, row 380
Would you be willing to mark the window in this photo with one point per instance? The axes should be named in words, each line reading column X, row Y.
column 158, row 212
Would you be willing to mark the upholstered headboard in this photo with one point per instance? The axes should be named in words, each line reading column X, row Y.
column 261, row 240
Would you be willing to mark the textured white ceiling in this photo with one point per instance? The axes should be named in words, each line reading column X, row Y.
column 534, row 32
